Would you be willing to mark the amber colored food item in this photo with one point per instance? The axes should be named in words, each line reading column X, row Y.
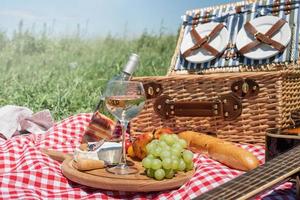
column 139, row 145
column 130, row 152
column 88, row 164
column 225, row 152
column 198, row 141
column 233, row 156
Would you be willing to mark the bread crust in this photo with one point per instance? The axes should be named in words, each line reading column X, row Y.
column 226, row 153
column 233, row 156
column 88, row 164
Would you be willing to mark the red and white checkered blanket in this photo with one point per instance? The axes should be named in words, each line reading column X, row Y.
column 27, row 173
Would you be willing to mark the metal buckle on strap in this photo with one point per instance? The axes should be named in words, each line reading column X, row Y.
column 256, row 34
column 207, row 38
column 262, row 38
column 198, row 45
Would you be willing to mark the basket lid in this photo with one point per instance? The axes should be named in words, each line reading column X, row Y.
column 249, row 35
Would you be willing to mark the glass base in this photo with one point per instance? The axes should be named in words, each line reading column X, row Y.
column 122, row 169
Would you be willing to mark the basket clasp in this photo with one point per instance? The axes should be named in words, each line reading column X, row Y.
column 227, row 106
column 245, row 88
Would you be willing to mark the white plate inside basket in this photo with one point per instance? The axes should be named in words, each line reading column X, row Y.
column 263, row 24
column 200, row 55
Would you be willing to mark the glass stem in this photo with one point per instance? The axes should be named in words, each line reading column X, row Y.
column 124, row 125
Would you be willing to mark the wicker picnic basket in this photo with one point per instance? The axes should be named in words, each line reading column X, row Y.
column 235, row 96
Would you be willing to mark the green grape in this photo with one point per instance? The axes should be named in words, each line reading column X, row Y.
column 157, row 151
column 159, row 174
column 163, row 137
column 150, row 156
column 181, row 165
column 167, row 148
column 146, row 162
column 169, row 173
column 189, row 166
column 150, row 146
column 152, row 153
column 156, row 164
column 150, row 173
column 175, row 137
column 176, row 152
column 167, row 163
column 174, row 157
column 163, row 144
column 177, row 146
column 155, row 141
column 183, row 143
column 175, row 164
column 169, row 140
column 187, row 156
column 165, row 154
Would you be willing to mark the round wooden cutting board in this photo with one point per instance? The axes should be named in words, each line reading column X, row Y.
column 139, row 182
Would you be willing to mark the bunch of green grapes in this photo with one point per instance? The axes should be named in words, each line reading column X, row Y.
column 166, row 156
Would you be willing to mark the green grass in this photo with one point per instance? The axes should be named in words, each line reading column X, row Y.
column 67, row 75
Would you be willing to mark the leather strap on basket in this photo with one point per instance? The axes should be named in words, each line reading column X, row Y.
column 204, row 42
column 228, row 106
column 261, row 38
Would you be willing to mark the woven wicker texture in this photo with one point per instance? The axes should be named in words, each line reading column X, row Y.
column 278, row 98
column 271, row 108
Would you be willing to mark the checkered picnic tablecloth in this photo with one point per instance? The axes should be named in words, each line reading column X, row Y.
column 27, row 173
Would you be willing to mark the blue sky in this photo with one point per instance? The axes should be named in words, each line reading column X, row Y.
column 97, row 17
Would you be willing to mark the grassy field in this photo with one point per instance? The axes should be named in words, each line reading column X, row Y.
column 67, row 75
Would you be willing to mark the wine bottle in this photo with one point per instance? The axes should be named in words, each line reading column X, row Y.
column 124, row 75
column 128, row 69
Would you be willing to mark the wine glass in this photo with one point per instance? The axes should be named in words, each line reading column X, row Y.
column 124, row 100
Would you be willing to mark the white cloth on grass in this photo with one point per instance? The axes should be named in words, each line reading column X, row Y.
column 17, row 119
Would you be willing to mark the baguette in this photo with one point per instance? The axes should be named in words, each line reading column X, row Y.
column 232, row 156
column 88, row 164
column 224, row 152
column 79, row 163
column 199, row 141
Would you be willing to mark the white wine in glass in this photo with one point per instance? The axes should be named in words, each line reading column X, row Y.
column 124, row 100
